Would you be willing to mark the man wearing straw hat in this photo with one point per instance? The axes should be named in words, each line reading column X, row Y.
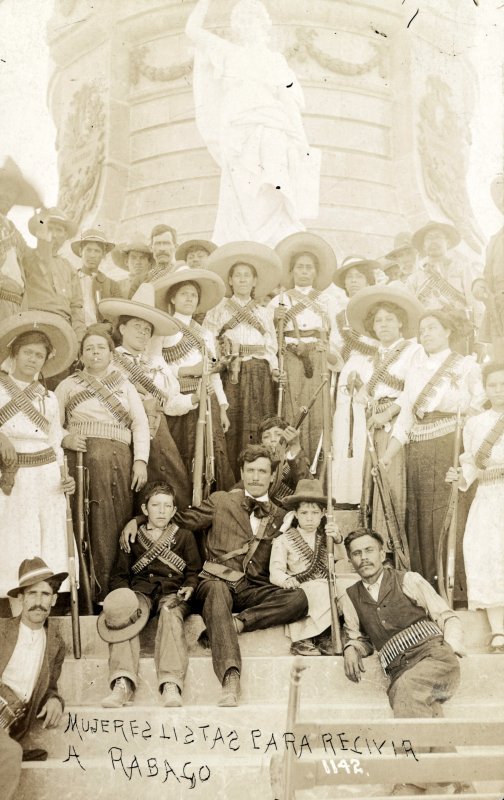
column 31, row 657
column 14, row 190
column 404, row 254
column 92, row 246
column 52, row 284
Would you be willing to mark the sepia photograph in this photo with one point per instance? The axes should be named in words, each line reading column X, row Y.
column 251, row 399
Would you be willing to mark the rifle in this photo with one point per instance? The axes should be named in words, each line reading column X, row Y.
column 209, row 449
column 281, row 327
column 201, row 427
column 337, row 646
column 446, row 582
column 396, row 534
column 87, row 578
column 74, row 597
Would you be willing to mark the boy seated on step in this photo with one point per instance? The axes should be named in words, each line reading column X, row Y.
column 299, row 560
column 157, row 576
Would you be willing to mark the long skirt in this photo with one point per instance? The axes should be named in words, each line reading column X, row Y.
column 484, row 548
column 183, row 430
column 249, row 400
column 298, row 392
column 165, row 464
column 318, row 618
column 108, row 465
column 33, row 523
column 428, row 497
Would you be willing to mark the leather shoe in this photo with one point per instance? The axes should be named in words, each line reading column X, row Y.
column 230, row 689
column 304, row 647
column 37, row 754
column 406, row 790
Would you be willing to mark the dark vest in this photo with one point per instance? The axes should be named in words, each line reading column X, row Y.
column 392, row 613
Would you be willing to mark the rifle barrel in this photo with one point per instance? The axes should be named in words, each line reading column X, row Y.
column 72, row 572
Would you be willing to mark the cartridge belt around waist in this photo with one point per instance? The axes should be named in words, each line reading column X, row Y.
column 313, row 333
column 415, row 634
column 252, row 350
column 432, row 425
column 101, row 430
column 189, row 384
column 11, row 297
column 492, row 475
column 47, row 456
column 11, row 707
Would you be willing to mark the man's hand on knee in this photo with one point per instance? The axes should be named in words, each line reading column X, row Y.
column 353, row 664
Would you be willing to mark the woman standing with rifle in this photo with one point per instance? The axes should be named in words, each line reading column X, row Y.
column 308, row 265
column 356, row 351
column 137, row 321
column 185, row 293
column 483, row 462
column 33, row 346
column 245, row 337
column 389, row 315
column 438, row 384
column 106, row 413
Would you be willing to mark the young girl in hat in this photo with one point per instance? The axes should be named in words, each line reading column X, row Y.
column 299, row 559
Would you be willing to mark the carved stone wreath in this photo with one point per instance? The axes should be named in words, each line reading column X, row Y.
column 303, row 49
column 82, row 152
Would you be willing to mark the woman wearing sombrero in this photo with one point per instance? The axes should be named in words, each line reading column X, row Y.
column 32, row 501
column 245, row 337
column 136, row 322
column 390, row 315
column 105, row 412
column 183, row 294
column 308, row 264
column 439, row 383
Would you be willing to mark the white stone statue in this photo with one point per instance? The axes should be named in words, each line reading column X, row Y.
column 248, row 106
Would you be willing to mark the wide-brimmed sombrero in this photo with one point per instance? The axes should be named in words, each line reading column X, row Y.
column 60, row 333
column 194, row 244
column 27, row 194
column 142, row 306
column 360, row 305
column 306, row 242
column 365, row 265
column 265, row 261
column 449, row 231
column 120, row 251
column 45, row 215
column 402, row 243
column 124, row 614
column 91, row 235
column 211, row 285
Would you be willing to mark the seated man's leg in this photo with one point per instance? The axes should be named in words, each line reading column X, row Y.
column 216, row 603
column 170, row 650
column 426, row 683
column 124, row 660
column 265, row 605
column 11, row 754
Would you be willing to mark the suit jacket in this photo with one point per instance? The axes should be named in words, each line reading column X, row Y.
column 231, row 530
column 46, row 685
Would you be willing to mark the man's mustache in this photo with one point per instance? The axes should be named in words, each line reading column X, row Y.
column 37, row 608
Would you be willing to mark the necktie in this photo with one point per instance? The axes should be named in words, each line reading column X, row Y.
column 258, row 507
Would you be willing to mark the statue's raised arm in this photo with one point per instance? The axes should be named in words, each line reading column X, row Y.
column 248, row 106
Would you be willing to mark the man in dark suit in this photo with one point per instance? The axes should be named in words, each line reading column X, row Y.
column 31, row 656
column 235, row 576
